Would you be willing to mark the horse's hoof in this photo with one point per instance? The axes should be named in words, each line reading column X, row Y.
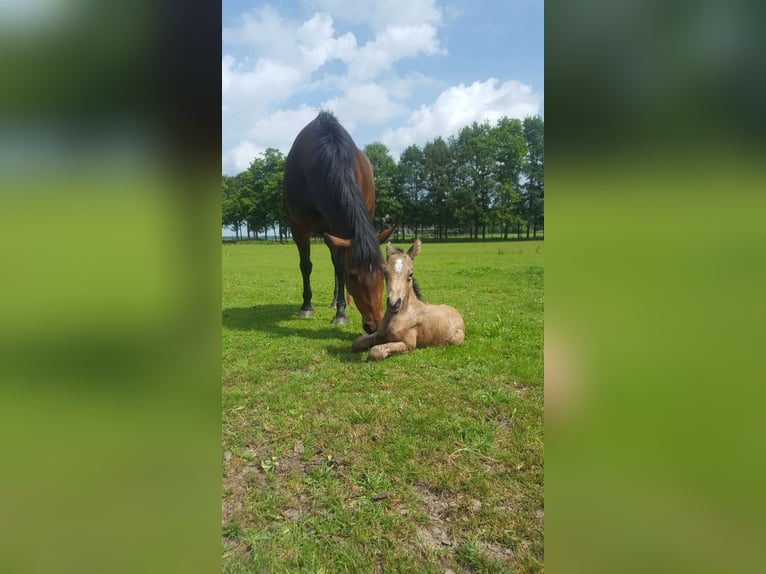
column 305, row 314
column 340, row 321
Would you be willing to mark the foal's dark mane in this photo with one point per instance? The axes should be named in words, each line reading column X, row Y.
column 347, row 214
column 415, row 286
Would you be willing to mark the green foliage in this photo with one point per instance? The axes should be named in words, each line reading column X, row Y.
column 388, row 209
column 253, row 196
column 426, row 461
column 487, row 179
column 437, row 164
column 534, row 167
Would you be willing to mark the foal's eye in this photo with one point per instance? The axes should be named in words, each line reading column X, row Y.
column 409, row 276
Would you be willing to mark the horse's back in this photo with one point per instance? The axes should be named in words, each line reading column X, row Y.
column 311, row 189
column 296, row 197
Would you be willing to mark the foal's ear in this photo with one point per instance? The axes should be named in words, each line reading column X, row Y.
column 389, row 250
column 336, row 241
column 385, row 234
column 414, row 250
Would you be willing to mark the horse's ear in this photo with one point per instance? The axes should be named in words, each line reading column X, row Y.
column 385, row 234
column 337, row 241
column 414, row 250
column 389, row 250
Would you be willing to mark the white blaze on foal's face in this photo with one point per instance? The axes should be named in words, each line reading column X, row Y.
column 397, row 282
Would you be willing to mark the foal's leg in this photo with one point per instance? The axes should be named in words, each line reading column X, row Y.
column 380, row 352
column 339, row 299
column 304, row 251
column 363, row 342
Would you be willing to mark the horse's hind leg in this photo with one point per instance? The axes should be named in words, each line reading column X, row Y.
column 304, row 251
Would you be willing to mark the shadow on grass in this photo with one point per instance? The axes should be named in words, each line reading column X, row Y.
column 344, row 354
column 282, row 321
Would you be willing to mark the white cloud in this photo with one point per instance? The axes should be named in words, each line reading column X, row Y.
column 274, row 60
column 460, row 106
column 264, row 29
column 378, row 14
column 367, row 103
column 392, row 44
column 277, row 130
column 240, row 156
column 278, row 71
column 259, row 84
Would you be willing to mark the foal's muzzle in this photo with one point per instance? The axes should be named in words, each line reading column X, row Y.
column 368, row 328
column 394, row 306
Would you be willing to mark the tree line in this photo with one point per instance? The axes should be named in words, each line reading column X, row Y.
column 486, row 180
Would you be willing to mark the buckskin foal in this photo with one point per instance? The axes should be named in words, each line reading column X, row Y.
column 409, row 322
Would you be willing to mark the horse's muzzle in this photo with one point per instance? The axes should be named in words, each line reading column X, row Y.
column 394, row 307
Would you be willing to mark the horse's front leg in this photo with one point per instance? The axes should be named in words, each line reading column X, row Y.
column 380, row 352
column 334, row 303
column 363, row 342
column 339, row 297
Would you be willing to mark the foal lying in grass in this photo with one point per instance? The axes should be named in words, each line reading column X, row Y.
column 409, row 323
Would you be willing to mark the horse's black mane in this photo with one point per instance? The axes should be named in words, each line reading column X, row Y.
column 416, row 288
column 337, row 155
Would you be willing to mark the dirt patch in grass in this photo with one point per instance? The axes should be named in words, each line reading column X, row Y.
column 442, row 532
column 495, row 552
column 236, row 552
column 240, row 476
column 438, row 534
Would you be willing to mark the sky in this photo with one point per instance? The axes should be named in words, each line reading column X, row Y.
column 400, row 72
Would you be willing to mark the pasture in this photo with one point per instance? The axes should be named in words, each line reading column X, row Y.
column 424, row 462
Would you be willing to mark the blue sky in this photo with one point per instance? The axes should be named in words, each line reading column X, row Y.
column 396, row 71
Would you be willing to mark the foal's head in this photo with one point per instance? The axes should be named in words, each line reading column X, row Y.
column 398, row 274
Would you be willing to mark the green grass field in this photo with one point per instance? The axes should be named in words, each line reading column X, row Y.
column 424, row 462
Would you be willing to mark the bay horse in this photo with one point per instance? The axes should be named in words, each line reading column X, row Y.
column 328, row 188
column 409, row 322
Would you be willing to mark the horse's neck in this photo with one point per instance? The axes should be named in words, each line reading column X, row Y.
column 412, row 299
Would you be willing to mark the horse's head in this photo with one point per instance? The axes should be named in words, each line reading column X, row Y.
column 364, row 282
column 399, row 271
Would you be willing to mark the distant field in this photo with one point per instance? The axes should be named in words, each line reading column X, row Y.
column 423, row 462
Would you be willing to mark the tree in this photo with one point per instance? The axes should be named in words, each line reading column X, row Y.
column 249, row 199
column 511, row 152
column 388, row 210
column 263, row 179
column 411, row 191
column 437, row 175
column 474, row 153
column 534, row 167
column 485, row 178
column 231, row 204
